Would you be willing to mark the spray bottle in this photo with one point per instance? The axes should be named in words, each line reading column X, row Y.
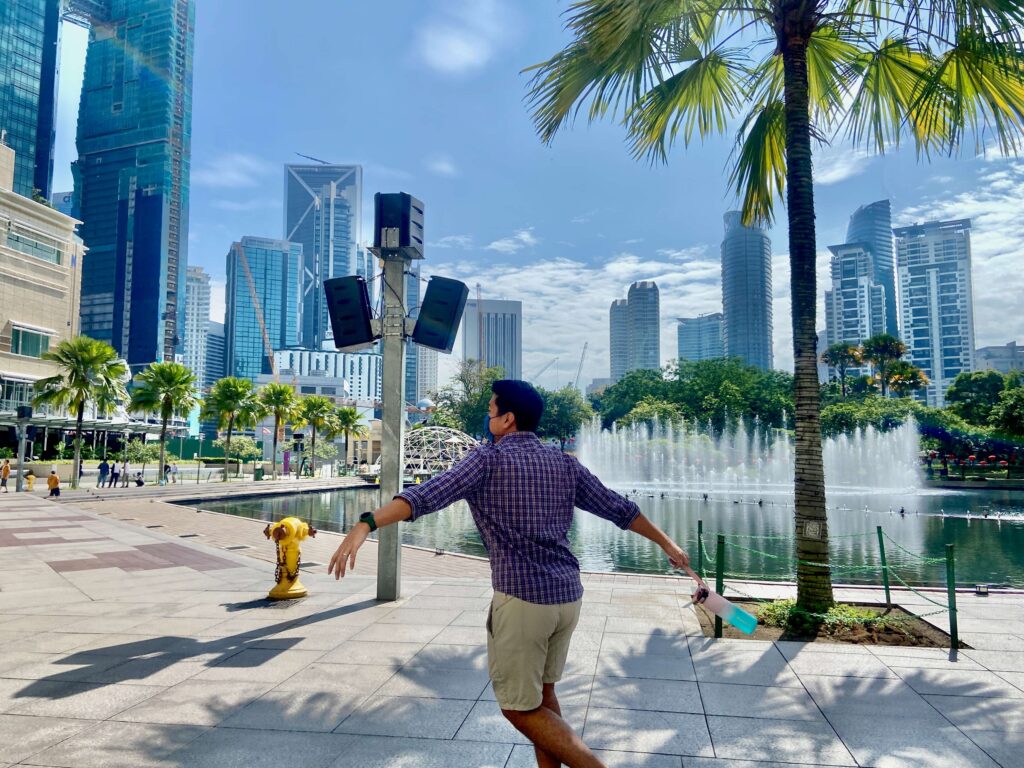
column 721, row 607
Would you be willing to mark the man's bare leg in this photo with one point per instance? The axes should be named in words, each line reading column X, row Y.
column 553, row 740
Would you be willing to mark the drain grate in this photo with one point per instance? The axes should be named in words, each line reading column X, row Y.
column 154, row 526
column 189, row 535
column 238, row 546
column 310, row 565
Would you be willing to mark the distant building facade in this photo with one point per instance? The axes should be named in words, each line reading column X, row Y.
column 412, row 351
column 1005, row 358
column 197, row 320
column 855, row 306
column 618, row 342
column 132, row 174
column 264, row 303
column 215, row 367
column 493, row 332
column 426, row 371
column 40, row 279
column 747, row 292
column 29, row 59
column 323, row 213
column 355, row 376
column 933, row 262
column 644, row 325
column 872, row 225
column 700, row 338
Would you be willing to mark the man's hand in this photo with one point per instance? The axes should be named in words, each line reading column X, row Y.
column 676, row 556
column 344, row 556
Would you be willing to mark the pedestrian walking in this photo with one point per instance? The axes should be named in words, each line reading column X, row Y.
column 167, row 474
column 53, row 483
column 174, row 472
column 125, row 469
column 5, row 472
column 114, row 475
column 104, row 470
column 522, row 494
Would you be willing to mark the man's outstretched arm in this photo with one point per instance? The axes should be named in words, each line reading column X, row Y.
column 344, row 556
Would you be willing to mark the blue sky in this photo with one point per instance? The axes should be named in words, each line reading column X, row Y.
column 429, row 98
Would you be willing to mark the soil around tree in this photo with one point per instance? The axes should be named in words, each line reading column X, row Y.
column 908, row 630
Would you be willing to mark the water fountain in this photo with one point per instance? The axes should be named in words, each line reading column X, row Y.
column 745, row 459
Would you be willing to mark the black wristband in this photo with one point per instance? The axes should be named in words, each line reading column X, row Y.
column 367, row 517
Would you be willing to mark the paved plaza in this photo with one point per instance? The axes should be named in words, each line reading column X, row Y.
column 135, row 633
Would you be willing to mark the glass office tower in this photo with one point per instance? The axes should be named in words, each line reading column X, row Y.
column 747, row 292
column 872, row 224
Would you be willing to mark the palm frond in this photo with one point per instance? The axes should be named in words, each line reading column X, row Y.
column 759, row 161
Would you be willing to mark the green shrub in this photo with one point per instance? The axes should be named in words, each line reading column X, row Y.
column 785, row 615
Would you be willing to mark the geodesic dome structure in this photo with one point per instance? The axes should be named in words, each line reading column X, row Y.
column 430, row 450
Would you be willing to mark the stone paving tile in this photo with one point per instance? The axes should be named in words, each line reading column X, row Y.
column 883, row 742
column 659, row 644
column 657, row 695
column 121, row 745
column 766, row 667
column 195, row 703
column 407, row 717
column 992, row 642
column 417, row 616
column 377, row 752
column 1007, row 749
column 958, row 683
column 399, row 633
column 998, row 661
column 614, row 664
column 486, row 723
column 709, row 762
column 243, row 748
column 384, row 654
column 22, row 736
column 260, row 664
column 865, row 696
column 457, row 657
column 788, row 741
column 78, row 668
column 571, row 690
column 355, row 678
column 461, row 636
column 523, row 757
column 757, row 701
column 969, row 713
column 161, row 670
column 319, row 711
column 1014, row 678
column 793, row 648
column 431, row 682
column 83, row 701
column 658, row 732
column 839, row 665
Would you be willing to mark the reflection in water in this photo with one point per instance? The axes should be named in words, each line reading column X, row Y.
column 988, row 549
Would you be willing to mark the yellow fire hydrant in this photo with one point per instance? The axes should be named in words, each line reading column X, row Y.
column 287, row 534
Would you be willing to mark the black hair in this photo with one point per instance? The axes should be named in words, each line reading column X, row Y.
column 522, row 400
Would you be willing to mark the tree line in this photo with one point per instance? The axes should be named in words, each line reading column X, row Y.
column 92, row 375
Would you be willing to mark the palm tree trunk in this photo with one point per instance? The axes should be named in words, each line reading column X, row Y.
column 842, row 382
column 814, row 582
column 273, row 456
column 163, row 450
column 227, row 448
column 312, row 454
column 77, row 467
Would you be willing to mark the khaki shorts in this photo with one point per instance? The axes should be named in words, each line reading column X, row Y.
column 527, row 644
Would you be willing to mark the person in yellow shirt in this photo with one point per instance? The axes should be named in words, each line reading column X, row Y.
column 53, row 483
column 5, row 472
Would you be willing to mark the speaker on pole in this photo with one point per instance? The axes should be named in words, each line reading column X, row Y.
column 440, row 313
column 348, row 304
column 398, row 223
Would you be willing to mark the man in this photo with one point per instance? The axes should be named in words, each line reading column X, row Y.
column 5, row 473
column 104, row 470
column 522, row 495
column 114, row 474
column 53, row 483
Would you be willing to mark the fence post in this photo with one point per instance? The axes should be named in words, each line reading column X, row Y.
column 885, row 567
column 700, row 548
column 719, row 578
column 954, row 637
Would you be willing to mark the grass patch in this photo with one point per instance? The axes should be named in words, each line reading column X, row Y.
column 840, row 618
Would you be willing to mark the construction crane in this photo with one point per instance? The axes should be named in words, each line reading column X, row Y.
column 314, row 159
column 579, row 369
column 546, row 365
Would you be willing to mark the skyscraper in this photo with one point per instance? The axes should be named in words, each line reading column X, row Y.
column 29, row 58
column 747, row 292
column 214, row 367
column 426, row 370
column 493, row 332
column 197, row 320
column 933, row 264
column 872, row 224
column 700, row 338
column 132, row 173
column 412, row 351
column 855, row 306
column 323, row 213
column 618, row 346
column 264, row 303
column 644, row 326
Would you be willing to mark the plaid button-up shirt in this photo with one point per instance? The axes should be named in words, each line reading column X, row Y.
column 522, row 496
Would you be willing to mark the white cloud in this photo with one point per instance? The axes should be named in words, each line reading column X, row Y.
column 442, row 165
column 523, row 238
column 583, row 218
column 835, row 164
column 453, row 241
column 465, row 35
column 233, row 170
column 683, row 254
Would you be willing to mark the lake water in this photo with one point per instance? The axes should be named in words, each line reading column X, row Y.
column 986, row 527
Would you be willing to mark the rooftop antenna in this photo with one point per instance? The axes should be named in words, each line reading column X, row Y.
column 314, row 159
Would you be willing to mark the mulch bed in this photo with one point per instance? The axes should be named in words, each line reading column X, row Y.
column 910, row 631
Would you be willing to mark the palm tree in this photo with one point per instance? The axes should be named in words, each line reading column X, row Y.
column 841, row 356
column 317, row 413
column 350, row 425
column 278, row 399
column 791, row 71
column 90, row 373
column 231, row 402
column 167, row 389
column 905, row 378
column 882, row 350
